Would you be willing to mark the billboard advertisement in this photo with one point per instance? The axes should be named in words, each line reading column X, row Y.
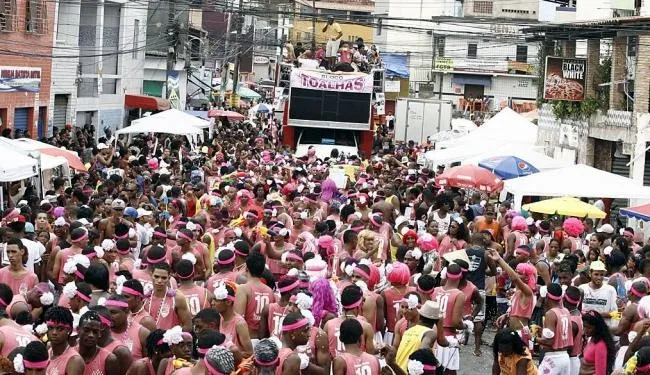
column 565, row 78
column 20, row 79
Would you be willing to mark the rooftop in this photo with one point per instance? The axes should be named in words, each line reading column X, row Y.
column 353, row 5
column 607, row 28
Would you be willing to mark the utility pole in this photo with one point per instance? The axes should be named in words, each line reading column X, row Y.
column 224, row 63
column 171, row 44
column 313, row 27
column 235, row 78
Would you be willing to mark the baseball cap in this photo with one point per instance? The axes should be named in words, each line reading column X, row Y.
column 102, row 146
column 29, row 227
column 118, row 204
column 142, row 212
column 130, row 211
column 597, row 266
column 430, row 310
column 605, row 228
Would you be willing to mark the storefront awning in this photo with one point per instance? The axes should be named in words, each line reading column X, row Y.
column 146, row 102
column 472, row 79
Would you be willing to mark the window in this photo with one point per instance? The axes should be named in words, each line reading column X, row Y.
column 87, row 87
column 136, row 38
column 522, row 54
column 35, row 16
column 298, row 35
column 439, row 42
column 360, row 16
column 307, row 36
column 7, row 15
column 483, row 7
column 109, row 86
column 472, row 50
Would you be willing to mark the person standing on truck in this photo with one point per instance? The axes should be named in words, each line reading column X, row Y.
column 334, row 34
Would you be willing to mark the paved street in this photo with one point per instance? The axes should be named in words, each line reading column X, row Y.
column 472, row 365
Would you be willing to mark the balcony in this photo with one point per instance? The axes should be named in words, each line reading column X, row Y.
column 481, row 66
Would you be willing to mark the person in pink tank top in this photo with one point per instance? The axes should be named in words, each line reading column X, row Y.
column 293, row 357
column 168, row 307
column 516, row 237
column 232, row 324
column 63, row 358
column 198, row 297
column 109, row 342
column 16, row 275
column 525, row 281
column 354, row 360
column 224, row 269
column 157, row 350
column 556, row 336
column 373, row 304
column 571, row 300
column 251, row 298
column 79, row 240
column 35, row 358
column 272, row 315
column 99, row 361
column 12, row 335
column 185, row 240
column 451, row 301
column 205, row 341
column 134, row 294
column 127, row 331
column 180, row 344
column 399, row 278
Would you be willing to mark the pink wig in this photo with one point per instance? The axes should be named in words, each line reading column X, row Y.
column 518, row 223
column 511, row 214
column 374, row 277
column 324, row 300
column 573, row 227
column 530, row 273
column 310, row 242
column 644, row 307
column 427, row 242
column 328, row 190
column 399, row 275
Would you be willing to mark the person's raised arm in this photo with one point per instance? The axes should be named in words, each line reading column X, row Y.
column 519, row 283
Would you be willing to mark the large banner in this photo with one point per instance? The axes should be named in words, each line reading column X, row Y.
column 564, row 78
column 346, row 82
column 20, row 78
column 173, row 90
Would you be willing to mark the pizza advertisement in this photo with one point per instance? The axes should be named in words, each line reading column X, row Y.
column 564, row 78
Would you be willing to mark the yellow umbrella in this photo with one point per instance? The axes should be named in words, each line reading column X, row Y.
column 567, row 206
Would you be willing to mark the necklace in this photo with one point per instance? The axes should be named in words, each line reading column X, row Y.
column 160, row 309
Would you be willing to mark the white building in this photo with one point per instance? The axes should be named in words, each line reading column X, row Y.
column 457, row 60
column 99, row 57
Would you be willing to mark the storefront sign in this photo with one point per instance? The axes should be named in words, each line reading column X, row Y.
column 20, row 79
column 517, row 66
column 444, row 64
column 392, row 86
column 173, row 90
column 564, row 78
column 360, row 83
column 260, row 60
column 448, row 64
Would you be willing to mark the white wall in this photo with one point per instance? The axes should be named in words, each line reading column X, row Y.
column 593, row 10
column 521, row 88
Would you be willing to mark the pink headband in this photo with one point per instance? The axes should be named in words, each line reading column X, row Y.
column 267, row 364
column 211, row 369
column 454, row 277
column 425, row 291
column 82, row 296
column 552, row 297
column 80, row 238
column 429, row 367
column 131, row 291
column 571, row 300
column 57, row 324
column 637, row 293
column 155, row 261
column 36, row 365
column 249, row 214
column 112, row 302
column 294, row 257
column 122, row 236
column 374, row 221
column 353, row 305
column 160, row 235
column 124, row 252
column 91, row 255
column 628, row 233
column 240, row 253
column 3, row 302
column 184, row 236
column 299, row 324
column 105, row 321
column 522, row 250
column 229, row 260
column 289, row 287
column 79, row 275
column 361, row 272
column 357, row 228
column 191, row 275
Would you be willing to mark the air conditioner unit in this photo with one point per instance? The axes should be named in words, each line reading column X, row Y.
column 628, row 148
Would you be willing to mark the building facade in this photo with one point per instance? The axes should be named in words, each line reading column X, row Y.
column 26, row 54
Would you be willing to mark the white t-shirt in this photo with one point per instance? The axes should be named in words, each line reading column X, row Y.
column 34, row 252
column 602, row 300
column 443, row 223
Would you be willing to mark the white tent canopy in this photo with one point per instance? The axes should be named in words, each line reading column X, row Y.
column 171, row 121
column 15, row 166
column 536, row 159
column 25, row 146
column 506, row 126
column 455, row 154
column 578, row 181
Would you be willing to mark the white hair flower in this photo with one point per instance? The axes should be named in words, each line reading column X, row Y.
column 412, row 301
column 304, row 361
column 41, row 329
column 365, row 261
column 307, row 314
column 543, row 290
column 415, row 367
column 70, row 290
column 173, row 336
column 416, row 253
column 19, row 365
column 349, row 269
column 147, row 288
column 238, row 232
column 293, row 272
column 82, row 259
column 99, row 251
column 190, row 226
column 362, row 284
column 70, row 266
column 189, row 256
column 60, row 221
column 47, row 299
column 220, row 292
column 108, row 245
column 119, row 283
column 304, row 301
column 101, row 301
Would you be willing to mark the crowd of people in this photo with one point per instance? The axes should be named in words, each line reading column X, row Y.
column 236, row 256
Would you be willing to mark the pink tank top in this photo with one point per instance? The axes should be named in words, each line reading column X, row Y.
column 18, row 298
column 576, row 350
column 563, row 333
column 225, row 276
column 363, row 364
column 131, row 339
column 282, row 356
column 392, row 297
column 333, row 330
column 518, row 309
column 163, row 311
column 65, row 255
column 447, row 300
column 371, row 305
column 18, row 284
column 468, row 290
column 520, row 239
column 97, row 365
column 59, row 364
column 261, row 296
column 63, row 301
column 14, row 338
column 197, row 298
column 274, row 318
column 230, row 330
column 576, row 244
column 137, row 317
